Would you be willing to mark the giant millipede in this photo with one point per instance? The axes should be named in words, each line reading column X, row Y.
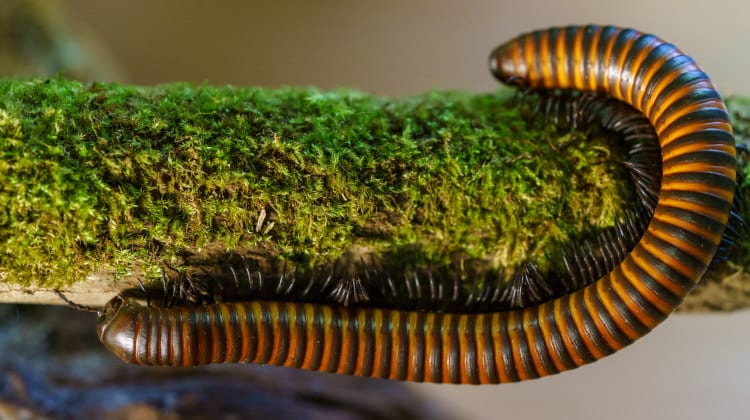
column 552, row 334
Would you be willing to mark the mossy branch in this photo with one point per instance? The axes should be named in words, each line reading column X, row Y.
column 112, row 183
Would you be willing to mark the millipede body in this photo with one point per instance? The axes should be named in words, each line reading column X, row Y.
column 691, row 211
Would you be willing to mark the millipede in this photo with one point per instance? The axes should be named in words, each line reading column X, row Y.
column 689, row 205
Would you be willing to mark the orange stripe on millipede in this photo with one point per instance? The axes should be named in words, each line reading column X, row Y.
column 671, row 136
column 716, row 214
column 656, row 274
column 187, row 335
column 400, row 339
column 215, row 334
column 602, row 330
column 635, row 66
column 546, row 327
column 431, row 344
column 537, row 356
column 648, row 75
column 545, row 55
column 587, row 335
column 608, row 53
column 685, row 245
column 312, row 340
column 346, row 345
column 362, row 365
column 528, row 57
column 244, row 332
column 380, row 343
column 503, row 351
column 564, row 325
column 295, row 348
column 467, row 349
column 697, row 147
column 521, row 355
column 593, row 59
column 332, row 338
column 578, row 53
column 418, row 328
column 623, row 54
column 487, row 366
column 698, row 229
column 608, row 300
column 562, row 71
column 666, row 105
column 696, row 167
column 449, row 349
column 665, row 119
column 618, row 287
column 647, row 293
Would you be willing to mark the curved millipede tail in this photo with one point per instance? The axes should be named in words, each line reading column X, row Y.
column 689, row 217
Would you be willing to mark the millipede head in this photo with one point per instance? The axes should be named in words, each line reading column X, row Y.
column 116, row 324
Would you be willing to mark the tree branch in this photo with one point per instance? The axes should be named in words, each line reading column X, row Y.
column 107, row 185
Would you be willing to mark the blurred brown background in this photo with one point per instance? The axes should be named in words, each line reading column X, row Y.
column 692, row 367
column 388, row 47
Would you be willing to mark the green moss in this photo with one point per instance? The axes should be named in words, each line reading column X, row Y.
column 739, row 110
column 120, row 179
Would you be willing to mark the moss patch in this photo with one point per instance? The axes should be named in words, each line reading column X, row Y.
column 120, row 179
